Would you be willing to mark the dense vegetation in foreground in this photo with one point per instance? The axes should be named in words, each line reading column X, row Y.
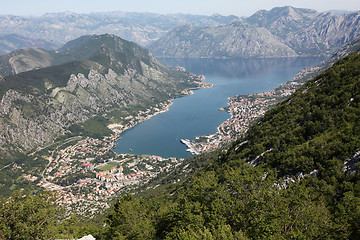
column 294, row 175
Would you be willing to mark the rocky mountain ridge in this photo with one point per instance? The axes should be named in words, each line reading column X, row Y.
column 28, row 59
column 280, row 32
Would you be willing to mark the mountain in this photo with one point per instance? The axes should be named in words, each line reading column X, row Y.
column 142, row 28
column 24, row 60
column 280, row 32
column 27, row 59
column 351, row 47
column 340, row 11
column 294, row 175
column 282, row 20
column 11, row 42
column 223, row 42
column 101, row 79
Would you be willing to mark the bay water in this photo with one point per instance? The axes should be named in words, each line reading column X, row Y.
column 199, row 114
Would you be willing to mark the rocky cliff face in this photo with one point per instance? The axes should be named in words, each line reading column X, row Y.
column 280, row 32
column 325, row 35
column 38, row 105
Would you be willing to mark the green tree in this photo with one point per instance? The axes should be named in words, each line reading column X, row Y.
column 130, row 219
column 25, row 216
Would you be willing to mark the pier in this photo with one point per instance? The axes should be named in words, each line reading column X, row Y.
column 191, row 148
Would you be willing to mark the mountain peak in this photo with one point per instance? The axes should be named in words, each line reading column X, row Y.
column 107, row 50
column 278, row 12
column 91, row 44
column 215, row 15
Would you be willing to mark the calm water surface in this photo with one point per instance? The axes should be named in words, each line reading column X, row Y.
column 198, row 114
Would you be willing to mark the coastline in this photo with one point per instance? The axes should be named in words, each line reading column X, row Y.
column 118, row 128
column 163, row 107
column 245, row 110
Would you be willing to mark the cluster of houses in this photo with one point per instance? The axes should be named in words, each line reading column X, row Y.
column 109, row 175
column 30, row 178
column 244, row 111
column 85, row 157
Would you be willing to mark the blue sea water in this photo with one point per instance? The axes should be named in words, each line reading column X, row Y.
column 198, row 114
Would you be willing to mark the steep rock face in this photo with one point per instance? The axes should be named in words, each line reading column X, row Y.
column 307, row 31
column 34, row 121
column 280, row 32
column 38, row 105
column 326, row 34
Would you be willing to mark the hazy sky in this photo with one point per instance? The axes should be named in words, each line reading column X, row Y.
column 205, row 7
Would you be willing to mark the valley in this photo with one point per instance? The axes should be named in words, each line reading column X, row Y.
column 94, row 128
column 84, row 172
column 117, row 82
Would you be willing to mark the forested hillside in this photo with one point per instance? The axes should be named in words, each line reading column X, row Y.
column 294, row 175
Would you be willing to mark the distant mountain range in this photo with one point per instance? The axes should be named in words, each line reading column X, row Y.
column 58, row 28
column 280, row 32
column 93, row 76
column 12, row 42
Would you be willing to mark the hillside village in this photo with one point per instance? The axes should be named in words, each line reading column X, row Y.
column 87, row 171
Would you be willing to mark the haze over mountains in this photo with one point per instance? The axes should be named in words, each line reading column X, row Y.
column 11, row 42
column 59, row 28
